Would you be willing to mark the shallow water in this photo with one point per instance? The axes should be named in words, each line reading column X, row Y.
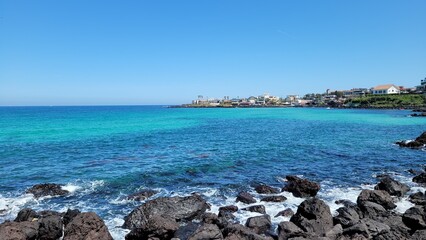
column 102, row 154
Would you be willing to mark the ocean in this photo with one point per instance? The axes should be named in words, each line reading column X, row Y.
column 101, row 154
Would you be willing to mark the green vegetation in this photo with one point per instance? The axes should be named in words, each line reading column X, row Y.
column 388, row 101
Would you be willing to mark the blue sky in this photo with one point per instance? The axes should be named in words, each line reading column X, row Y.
column 168, row 52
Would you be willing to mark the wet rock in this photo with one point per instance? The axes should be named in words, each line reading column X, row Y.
column 86, row 226
column 273, row 199
column 256, row 208
column 313, row 216
column 372, row 210
column 264, row 189
column 47, row 189
column 226, row 218
column 177, row 208
column 287, row 230
column 421, row 178
column 260, row 224
column 346, row 217
column 245, row 197
column 142, row 195
column 230, row 208
column 418, row 198
column 285, row 213
column 345, row 202
column 50, row 227
column 301, row 187
column 69, row 216
column 394, row 188
column 419, row 142
column 377, row 196
column 415, row 218
column 19, row 230
column 156, row 227
column 26, row 214
column 240, row 232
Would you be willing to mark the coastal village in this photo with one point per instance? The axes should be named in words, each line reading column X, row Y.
column 330, row 98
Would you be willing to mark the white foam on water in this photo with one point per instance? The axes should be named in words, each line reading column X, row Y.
column 12, row 205
column 71, row 188
column 115, row 229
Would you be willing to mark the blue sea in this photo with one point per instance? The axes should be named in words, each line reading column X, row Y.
column 102, row 154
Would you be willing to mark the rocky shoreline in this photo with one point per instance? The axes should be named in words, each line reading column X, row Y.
column 188, row 217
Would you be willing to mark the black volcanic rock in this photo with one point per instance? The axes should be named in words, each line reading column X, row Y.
column 47, row 189
column 260, row 224
column 346, row 217
column 313, row 216
column 155, row 227
column 421, row 178
column 19, row 230
column 176, row 208
column 415, row 218
column 245, row 197
column 393, row 187
column 255, row 208
column 142, row 195
column 301, row 187
column 26, row 214
column 86, row 225
column 377, row 196
column 273, row 199
column 285, row 213
column 264, row 189
column 419, row 142
column 418, row 198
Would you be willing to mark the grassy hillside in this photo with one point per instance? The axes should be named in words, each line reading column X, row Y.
column 388, row 101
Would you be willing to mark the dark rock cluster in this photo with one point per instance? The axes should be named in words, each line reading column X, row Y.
column 50, row 225
column 419, row 142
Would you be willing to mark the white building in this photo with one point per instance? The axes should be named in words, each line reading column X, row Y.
column 385, row 89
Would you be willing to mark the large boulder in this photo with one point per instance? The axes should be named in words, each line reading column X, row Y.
column 260, row 224
column 301, row 187
column 69, row 216
column 265, row 189
column 372, row 210
column 375, row 227
column 393, row 187
column 87, row 226
column 142, row 195
column 415, row 218
column 346, row 217
column 19, row 230
column 377, row 196
column 421, row 178
column 47, row 189
column 313, row 216
column 245, row 197
column 156, row 227
column 176, row 208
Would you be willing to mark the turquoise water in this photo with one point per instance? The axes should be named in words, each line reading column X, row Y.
column 103, row 154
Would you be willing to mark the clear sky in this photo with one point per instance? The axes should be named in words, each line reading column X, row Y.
column 168, row 52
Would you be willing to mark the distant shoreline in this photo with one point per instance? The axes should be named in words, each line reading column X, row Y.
column 269, row 106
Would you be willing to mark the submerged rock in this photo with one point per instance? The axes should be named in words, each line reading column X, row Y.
column 86, row 226
column 47, row 189
column 142, row 195
column 264, row 189
column 245, row 197
column 301, row 187
column 393, row 187
column 176, row 208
